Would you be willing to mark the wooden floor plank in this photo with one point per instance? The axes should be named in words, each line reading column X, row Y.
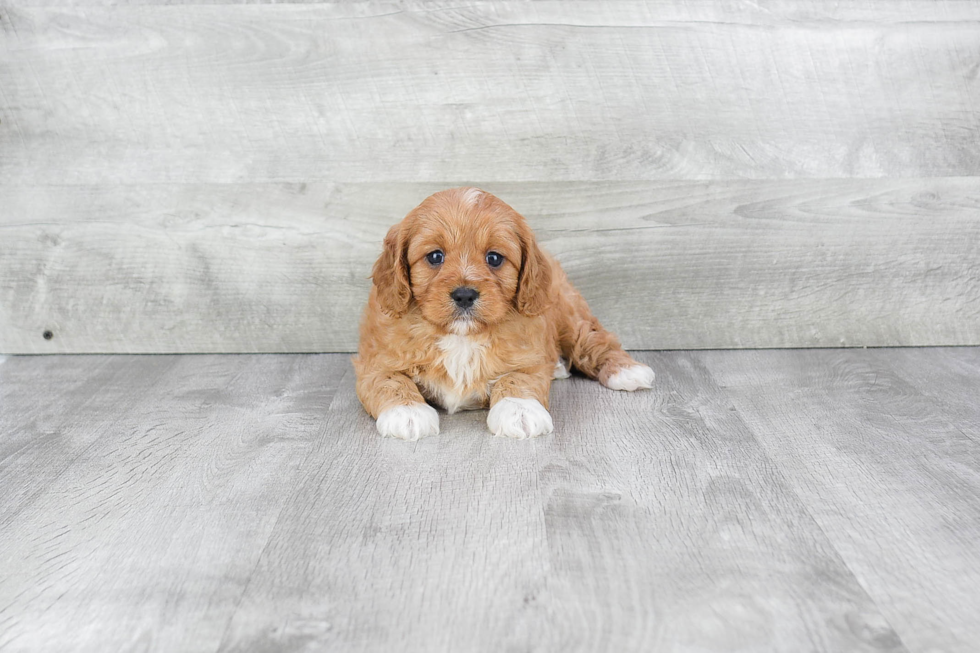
column 387, row 545
column 595, row 539
column 950, row 377
column 757, row 501
column 669, row 529
column 147, row 539
column 54, row 408
column 889, row 474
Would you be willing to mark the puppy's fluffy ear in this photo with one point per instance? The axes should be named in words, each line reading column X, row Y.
column 534, row 282
column 390, row 273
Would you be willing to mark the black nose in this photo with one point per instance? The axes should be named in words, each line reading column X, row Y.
column 464, row 296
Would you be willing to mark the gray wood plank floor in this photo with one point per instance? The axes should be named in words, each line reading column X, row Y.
column 807, row 500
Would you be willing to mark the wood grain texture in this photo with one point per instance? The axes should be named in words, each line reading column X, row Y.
column 246, row 503
column 38, row 443
column 950, row 378
column 197, row 177
column 437, row 545
column 284, row 267
column 891, row 474
column 158, row 488
column 496, row 91
column 670, row 530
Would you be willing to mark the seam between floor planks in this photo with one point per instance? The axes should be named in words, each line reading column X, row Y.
column 599, row 562
column 943, row 467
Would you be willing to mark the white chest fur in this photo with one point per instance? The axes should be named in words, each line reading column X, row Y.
column 462, row 358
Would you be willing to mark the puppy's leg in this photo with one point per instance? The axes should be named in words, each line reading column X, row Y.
column 519, row 404
column 395, row 402
column 597, row 352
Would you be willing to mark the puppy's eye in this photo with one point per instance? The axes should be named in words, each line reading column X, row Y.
column 436, row 257
column 494, row 259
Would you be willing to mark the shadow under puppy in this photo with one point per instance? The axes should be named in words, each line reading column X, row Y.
column 466, row 311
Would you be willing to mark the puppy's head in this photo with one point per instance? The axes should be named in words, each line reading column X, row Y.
column 467, row 259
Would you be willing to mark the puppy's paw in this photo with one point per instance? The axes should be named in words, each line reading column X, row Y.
column 561, row 369
column 409, row 422
column 631, row 378
column 519, row 418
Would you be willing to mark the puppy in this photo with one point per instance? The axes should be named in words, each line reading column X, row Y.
column 466, row 311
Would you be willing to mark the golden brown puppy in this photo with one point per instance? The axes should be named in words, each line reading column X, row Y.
column 466, row 311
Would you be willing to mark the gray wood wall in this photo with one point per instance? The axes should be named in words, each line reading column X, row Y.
column 218, row 177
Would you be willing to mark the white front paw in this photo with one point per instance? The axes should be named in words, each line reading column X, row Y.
column 561, row 369
column 631, row 378
column 409, row 422
column 519, row 418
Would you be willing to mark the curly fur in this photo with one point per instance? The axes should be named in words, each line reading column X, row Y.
column 416, row 345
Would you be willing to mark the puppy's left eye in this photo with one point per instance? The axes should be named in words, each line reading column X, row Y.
column 494, row 259
column 435, row 257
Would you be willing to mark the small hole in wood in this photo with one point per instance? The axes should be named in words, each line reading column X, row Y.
column 48, row 335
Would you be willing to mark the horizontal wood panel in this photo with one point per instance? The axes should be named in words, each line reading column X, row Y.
column 497, row 91
column 284, row 267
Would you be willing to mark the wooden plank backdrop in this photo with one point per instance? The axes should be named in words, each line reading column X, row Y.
column 218, row 177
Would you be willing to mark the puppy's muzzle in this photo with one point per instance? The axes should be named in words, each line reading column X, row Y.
column 464, row 297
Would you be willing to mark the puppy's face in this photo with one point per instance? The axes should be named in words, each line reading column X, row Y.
column 468, row 261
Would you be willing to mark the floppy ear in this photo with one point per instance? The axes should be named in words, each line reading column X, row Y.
column 390, row 273
column 534, row 280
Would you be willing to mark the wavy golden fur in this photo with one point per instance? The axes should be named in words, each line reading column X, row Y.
column 417, row 344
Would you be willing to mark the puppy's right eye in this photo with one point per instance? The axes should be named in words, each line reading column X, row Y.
column 435, row 258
